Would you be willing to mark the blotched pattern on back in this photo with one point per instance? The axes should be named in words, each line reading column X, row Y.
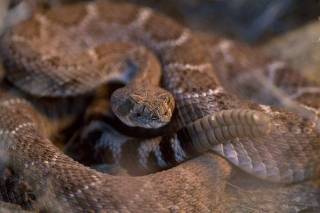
column 38, row 62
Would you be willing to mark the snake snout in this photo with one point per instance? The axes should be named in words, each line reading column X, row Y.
column 150, row 107
column 141, row 116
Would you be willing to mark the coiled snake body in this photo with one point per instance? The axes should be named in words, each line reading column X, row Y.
column 269, row 143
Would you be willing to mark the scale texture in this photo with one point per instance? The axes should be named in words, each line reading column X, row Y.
column 59, row 53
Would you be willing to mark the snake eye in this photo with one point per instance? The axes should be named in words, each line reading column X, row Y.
column 126, row 107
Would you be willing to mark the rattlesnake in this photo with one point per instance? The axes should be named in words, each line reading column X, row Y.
column 286, row 151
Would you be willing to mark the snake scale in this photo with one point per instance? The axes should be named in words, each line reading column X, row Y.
column 268, row 142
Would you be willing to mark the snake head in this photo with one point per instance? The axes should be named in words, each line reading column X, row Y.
column 148, row 107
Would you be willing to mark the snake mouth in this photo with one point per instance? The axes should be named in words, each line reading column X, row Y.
column 154, row 126
column 157, row 125
column 149, row 123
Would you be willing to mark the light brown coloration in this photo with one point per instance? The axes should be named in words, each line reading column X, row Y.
column 81, row 188
column 290, row 152
column 90, row 63
column 187, row 73
column 224, row 126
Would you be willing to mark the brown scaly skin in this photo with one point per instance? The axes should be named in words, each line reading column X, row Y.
column 187, row 73
column 149, row 193
column 146, row 106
